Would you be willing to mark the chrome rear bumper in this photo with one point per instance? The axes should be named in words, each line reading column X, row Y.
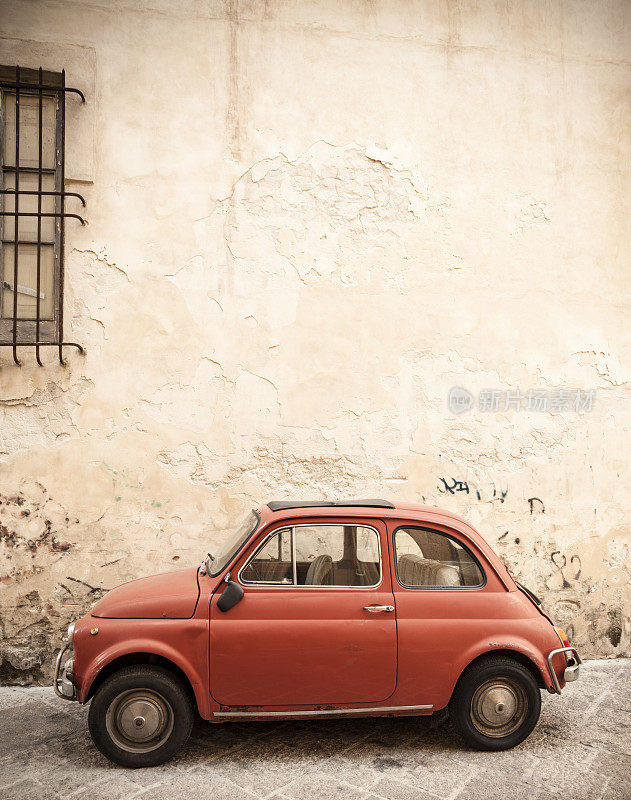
column 63, row 684
column 571, row 673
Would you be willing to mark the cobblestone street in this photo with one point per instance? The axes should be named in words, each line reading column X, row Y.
column 581, row 750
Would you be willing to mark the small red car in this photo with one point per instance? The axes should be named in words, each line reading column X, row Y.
column 322, row 609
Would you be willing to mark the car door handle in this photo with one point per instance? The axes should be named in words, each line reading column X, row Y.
column 374, row 609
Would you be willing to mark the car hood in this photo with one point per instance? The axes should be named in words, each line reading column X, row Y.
column 170, row 595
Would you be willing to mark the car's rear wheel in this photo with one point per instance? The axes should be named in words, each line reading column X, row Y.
column 140, row 716
column 496, row 704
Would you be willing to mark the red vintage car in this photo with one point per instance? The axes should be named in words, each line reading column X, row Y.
column 321, row 609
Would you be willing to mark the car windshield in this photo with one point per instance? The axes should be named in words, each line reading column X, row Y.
column 233, row 542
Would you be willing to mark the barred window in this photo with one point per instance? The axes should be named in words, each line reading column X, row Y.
column 34, row 209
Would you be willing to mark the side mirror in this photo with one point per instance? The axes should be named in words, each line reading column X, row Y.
column 230, row 596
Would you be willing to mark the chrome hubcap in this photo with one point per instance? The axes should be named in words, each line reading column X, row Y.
column 498, row 707
column 139, row 720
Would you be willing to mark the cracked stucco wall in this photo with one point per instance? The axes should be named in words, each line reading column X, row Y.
column 307, row 222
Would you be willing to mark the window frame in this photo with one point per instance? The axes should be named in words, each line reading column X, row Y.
column 295, row 584
column 25, row 331
column 262, row 544
column 453, row 538
column 27, row 326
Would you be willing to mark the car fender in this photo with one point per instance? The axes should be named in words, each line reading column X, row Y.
column 503, row 644
column 194, row 668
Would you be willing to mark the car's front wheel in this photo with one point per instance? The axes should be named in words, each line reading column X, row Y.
column 496, row 704
column 140, row 716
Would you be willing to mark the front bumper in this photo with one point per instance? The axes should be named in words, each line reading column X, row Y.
column 64, row 676
column 570, row 673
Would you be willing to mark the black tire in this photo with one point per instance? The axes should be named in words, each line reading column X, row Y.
column 496, row 704
column 140, row 716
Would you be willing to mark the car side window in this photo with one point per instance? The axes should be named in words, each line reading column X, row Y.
column 329, row 555
column 427, row 559
column 317, row 555
column 271, row 562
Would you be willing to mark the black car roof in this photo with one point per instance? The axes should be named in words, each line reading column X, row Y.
column 282, row 505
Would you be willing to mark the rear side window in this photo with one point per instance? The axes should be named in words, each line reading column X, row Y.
column 428, row 559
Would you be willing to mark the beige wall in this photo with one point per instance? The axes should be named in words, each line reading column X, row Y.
column 307, row 222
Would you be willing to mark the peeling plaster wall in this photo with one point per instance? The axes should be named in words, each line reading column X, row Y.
column 307, row 222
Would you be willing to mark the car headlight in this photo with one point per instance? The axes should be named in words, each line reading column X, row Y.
column 70, row 631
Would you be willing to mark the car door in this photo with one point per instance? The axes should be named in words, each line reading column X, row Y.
column 316, row 624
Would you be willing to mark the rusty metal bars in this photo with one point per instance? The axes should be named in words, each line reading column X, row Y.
column 40, row 164
column 16, row 209
column 20, row 88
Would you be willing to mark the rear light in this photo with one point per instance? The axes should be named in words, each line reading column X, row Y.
column 566, row 643
column 563, row 637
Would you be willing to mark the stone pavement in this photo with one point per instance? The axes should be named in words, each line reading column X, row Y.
column 581, row 750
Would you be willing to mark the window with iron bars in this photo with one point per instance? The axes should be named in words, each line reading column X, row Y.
column 34, row 209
